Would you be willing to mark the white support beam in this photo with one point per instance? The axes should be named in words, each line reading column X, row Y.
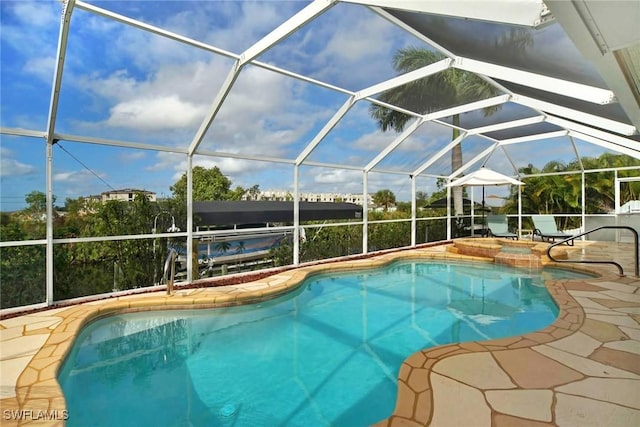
column 54, row 100
column 536, row 137
column 117, row 143
column 414, row 222
column 577, row 154
column 389, row 148
column 195, row 43
column 190, row 221
column 67, row 9
column 506, row 125
column 597, row 133
column 444, row 150
column 240, row 156
column 215, row 107
column 528, row 13
column 333, row 121
column 537, row 81
column 291, row 25
column 601, row 122
column 509, row 158
column 365, row 212
column 484, row 153
column 405, row 78
column 296, row 214
column 151, row 29
column 606, row 144
column 333, row 166
column 472, row 106
column 22, row 132
column 606, row 20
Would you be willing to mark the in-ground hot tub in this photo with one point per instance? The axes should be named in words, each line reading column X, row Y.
column 515, row 253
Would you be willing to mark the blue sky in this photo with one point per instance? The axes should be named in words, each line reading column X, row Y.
column 124, row 84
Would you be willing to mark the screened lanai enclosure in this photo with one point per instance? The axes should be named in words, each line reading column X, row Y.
column 118, row 116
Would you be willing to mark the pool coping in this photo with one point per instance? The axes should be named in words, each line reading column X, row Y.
column 37, row 388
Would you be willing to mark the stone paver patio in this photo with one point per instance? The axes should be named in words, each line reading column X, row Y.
column 583, row 370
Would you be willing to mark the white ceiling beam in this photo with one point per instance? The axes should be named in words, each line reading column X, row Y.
column 394, row 107
column 537, row 81
column 259, row 158
column 605, row 144
column 536, row 137
column 601, row 122
column 596, row 133
column 405, row 78
column 151, row 29
column 472, row 106
column 506, row 125
column 288, row 27
column 509, row 158
column 325, row 130
column 480, row 156
column 215, row 107
column 620, row 19
column 331, row 165
column 575, row 151
column 389, row 148
column 118, row 143
column 528, row 13
column 22, row 132
column 444, row 150
column 54, row 100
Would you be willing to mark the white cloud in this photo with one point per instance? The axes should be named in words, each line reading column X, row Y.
column 37, row 14
column 73, row 176
column 12, row 167
column 155, row 113
column 374, row 141
column 41, row 67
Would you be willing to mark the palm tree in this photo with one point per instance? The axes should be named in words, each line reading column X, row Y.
column 384, row 198
column 432, row 93
column 223, row 246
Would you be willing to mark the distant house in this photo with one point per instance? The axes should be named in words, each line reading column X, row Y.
column 280, row 195
column 126, row 195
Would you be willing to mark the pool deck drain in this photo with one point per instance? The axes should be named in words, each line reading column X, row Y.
column 583, row 370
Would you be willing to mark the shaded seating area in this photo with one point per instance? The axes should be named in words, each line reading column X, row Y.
column 545, row 227
column 499, row 227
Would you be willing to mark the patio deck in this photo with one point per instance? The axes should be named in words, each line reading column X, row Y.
column 583, row 370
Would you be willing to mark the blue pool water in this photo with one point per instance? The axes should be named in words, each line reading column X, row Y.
column 327, row 354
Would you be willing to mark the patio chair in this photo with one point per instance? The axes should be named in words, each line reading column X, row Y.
column 498, row 227
column 545, row 227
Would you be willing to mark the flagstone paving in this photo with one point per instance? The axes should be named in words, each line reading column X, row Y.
column 583, row 370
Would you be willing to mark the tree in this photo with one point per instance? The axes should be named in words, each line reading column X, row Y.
column 384, row 198
column 253, row 192
column 552, row 194
column 208, row 184
column 432, row 93
column 37, row 204
column 222, row 246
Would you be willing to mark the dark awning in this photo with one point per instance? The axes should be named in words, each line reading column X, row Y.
column 226, row 212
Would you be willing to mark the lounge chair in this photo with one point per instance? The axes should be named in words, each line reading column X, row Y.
column 546, row 228
column 498, row 227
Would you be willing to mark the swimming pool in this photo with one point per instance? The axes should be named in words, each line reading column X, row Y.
column 326, row 354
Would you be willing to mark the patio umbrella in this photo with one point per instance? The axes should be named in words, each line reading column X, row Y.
column 483, row 177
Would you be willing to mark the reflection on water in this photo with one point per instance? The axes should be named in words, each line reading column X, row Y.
column 327, row 354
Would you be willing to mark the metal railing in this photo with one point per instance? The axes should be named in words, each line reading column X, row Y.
column 620, row 269
column 170, row 270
